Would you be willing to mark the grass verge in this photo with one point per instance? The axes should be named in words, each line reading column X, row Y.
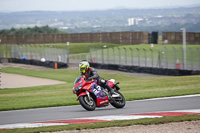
column 121, row 123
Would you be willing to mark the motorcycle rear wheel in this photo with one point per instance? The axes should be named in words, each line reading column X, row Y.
column 118, row 102
column 86, row 103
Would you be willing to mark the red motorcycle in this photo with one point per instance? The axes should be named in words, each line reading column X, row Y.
column 91, row 95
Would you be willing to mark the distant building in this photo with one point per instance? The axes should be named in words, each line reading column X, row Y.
column 134, row 21
column 130, row 21
column 63, row 28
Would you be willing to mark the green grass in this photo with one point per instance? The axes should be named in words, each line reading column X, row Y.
column 121, row 123
column 133, row 88
column 76, row 48
column 159, row 37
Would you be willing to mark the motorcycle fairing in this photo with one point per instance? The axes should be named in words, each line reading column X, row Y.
column 98, row 92
column 111, row 82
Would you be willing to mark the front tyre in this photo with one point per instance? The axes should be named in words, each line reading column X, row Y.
column 118, row 102
column 86, row 103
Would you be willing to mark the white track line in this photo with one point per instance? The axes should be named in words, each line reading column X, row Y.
column 190, row 110
column 119, row 117
column 163, row 98
column 29, row 125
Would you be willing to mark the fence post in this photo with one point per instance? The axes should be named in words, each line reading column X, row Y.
column 138, row 56
column 20, row 51
column 28, row 51
column 6, row 51
column 96, row 58
column 166, row 55
column 183, row 63
column 41, row 51
column 145, row 54
column 175, row 58
column 131, row 56
column 119, row 56
column 184, row 48
column 63, row 53
column 67, row 52
column 13, row 49
column 113, row 55
column 152, row 60
column 91, row 49
column 49, row 53
column 159, row 59
column 125, row 56
column 102, row 56
column 192, row 58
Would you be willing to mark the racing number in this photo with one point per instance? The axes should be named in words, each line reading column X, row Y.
column 97, row 90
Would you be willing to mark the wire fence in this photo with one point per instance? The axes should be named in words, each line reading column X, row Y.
column 164, row 57
column 35, row 52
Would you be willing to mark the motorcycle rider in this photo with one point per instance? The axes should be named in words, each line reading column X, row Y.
column 91, row 73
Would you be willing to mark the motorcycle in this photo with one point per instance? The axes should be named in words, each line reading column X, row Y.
column 91, row 95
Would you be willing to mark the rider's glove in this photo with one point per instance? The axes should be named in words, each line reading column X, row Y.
column 89, row 79
column 103, row 81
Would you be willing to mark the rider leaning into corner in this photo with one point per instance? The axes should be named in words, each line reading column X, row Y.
column 90, row 74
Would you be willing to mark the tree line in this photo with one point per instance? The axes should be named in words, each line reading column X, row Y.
column 30, row 31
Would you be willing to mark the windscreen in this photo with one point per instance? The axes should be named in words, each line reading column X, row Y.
column 77, row 79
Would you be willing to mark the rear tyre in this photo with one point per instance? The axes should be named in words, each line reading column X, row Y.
column 86, row 103
column 118, row 102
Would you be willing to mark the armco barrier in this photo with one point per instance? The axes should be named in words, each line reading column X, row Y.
column 151, row 70
column 50, row 64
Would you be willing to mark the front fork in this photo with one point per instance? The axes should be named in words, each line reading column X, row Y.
column 88, row 94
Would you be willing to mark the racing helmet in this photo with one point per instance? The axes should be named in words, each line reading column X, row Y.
column 84, row 66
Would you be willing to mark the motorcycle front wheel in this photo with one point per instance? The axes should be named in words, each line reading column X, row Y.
column 118, row 102
column 87, row 103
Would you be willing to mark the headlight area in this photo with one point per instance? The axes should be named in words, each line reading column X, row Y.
column 77, row 89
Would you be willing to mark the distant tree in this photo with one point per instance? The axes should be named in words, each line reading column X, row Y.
column 30, row 31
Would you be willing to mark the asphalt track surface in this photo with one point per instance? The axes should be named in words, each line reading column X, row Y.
column 71, row 112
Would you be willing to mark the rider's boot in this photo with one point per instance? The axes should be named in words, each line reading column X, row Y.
column 112, row 92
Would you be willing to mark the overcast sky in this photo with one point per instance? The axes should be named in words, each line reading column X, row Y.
column 82, row 5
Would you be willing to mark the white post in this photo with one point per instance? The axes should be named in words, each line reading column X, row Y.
column 68, row 52
column 184, row 48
